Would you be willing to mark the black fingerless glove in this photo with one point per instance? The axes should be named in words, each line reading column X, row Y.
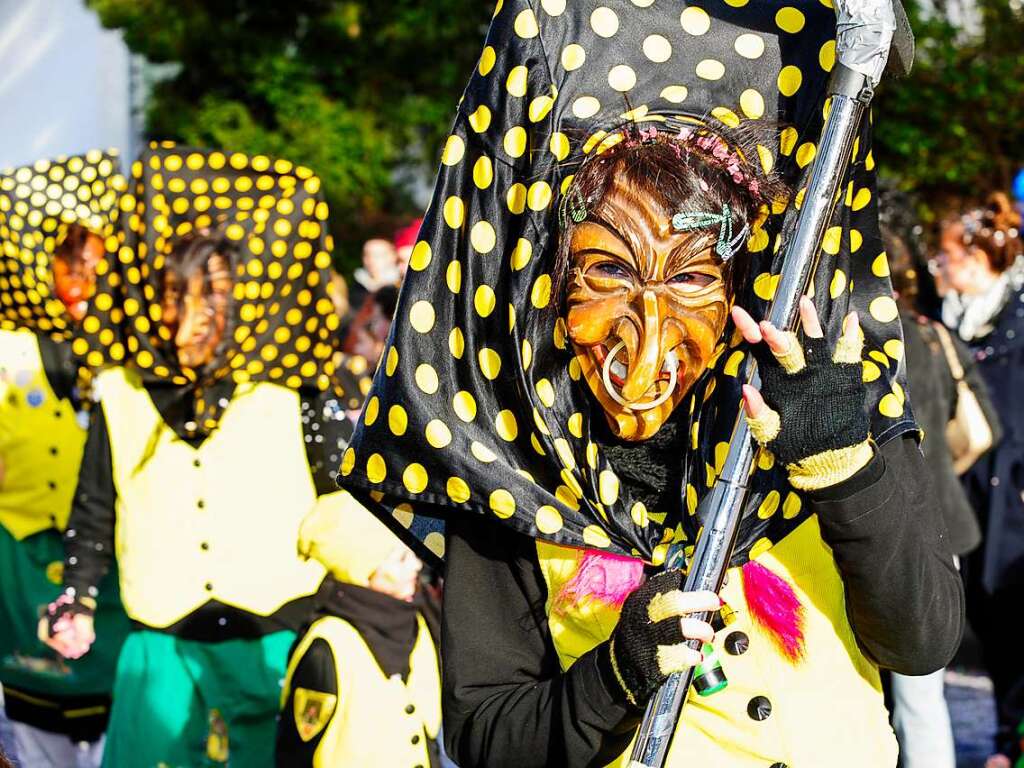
column 817, row 425
column 648, row 644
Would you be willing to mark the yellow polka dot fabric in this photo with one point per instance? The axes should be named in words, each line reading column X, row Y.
column 495, row 420
column 37, row 204
column 282, row 327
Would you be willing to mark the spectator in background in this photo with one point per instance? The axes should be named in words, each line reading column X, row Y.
column 373, row 298
column 379, row 270
column 984, row 271
column 920, row 714
column 405, row 241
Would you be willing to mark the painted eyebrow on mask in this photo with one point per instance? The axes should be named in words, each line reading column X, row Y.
column 611, row 227
column 693, row 249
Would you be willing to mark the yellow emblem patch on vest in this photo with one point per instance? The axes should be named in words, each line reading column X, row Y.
column 55, row 572
column 313, row 710
column 217, row 740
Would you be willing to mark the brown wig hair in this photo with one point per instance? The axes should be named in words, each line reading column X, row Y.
column 995, row 230
column 191, row 254
column 670, row 168
column 70, row 248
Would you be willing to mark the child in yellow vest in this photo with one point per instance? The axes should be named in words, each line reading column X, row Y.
column 362, row 686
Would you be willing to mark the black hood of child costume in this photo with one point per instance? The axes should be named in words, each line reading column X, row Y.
column 37, row 204
column 281, row 325
column 478, row 407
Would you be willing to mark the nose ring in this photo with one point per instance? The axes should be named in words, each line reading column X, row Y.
column 671, row 363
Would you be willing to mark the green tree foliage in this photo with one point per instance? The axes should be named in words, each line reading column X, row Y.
column 355, row 90
column 361, row 89
column 954, row 129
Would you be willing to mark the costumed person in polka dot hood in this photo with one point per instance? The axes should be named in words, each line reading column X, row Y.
column 54, row 215
column 218, row 427
column 562, row 379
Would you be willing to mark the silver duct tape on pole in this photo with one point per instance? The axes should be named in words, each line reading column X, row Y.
column 864, row 34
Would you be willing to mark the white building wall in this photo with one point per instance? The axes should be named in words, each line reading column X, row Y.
column 64, row 82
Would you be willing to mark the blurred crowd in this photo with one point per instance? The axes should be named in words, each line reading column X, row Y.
column 960, row 290
column 175, row 344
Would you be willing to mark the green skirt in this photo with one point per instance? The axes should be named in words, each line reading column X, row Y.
column 186, row 704
column 31, row 573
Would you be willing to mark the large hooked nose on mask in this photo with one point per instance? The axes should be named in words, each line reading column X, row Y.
column 640, row 371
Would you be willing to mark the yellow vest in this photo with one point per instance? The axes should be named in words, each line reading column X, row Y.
column 41, row 442
column 217, row 522
column 826, row 709
column 374, row 720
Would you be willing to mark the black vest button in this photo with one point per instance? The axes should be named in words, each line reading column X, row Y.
column 416, row 739
column 209, row 587
column 759, row 708
column 736, row 643
column 409, row 709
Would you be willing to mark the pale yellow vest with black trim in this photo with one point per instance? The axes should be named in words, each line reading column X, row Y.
column 826, row 710
column 41, row 442
column 217, row 522
column 374, row 720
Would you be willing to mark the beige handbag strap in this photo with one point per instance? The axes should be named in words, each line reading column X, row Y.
column 950, row 351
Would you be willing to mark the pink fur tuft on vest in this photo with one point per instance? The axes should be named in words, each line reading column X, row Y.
column 775, row 607
column 604, row 577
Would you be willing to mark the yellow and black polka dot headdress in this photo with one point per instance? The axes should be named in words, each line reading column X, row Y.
column 478, row 407
column 37, row 204
column 283, row 324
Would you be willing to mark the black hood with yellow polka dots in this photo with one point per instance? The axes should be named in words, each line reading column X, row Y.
column 477, row 408
column 282, row 323
column 37, row 204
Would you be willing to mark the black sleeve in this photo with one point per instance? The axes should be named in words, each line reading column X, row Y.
column 904, row 596
column 314, row 672
column 327, row 431
column 59, row 366
column 89, row 538
column 505, row 700
column 978, row 386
